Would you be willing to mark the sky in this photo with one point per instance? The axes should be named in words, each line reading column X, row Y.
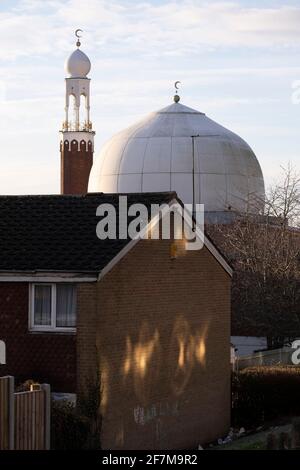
column 237, row 61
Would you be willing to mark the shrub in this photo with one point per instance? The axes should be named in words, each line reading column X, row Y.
column 69, row 430
column 78, row 427
column 264, row 393
column 89, row 406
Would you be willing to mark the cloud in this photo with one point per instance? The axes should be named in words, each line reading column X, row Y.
column 121, row 27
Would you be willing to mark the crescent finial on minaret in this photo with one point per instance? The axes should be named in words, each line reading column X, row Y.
column 78, row 43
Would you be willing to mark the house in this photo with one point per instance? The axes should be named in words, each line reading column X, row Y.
column 154, row 321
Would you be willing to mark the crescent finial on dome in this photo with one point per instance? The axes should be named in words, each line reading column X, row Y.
column 176, row 96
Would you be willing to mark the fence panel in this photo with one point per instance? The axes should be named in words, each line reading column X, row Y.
column 6, row 413
column 32, row 419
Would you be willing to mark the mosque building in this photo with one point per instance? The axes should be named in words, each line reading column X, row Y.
column 174, row 149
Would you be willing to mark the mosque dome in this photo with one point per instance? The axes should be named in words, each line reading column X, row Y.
column 176, row 149
column 78, row 64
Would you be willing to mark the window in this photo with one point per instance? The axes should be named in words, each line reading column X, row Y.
column 53, row 307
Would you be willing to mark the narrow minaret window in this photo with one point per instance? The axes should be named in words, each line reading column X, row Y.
column 77, row 136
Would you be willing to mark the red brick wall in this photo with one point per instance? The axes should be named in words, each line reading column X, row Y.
column 76, row 164
column 162, row 328
column 46, row 357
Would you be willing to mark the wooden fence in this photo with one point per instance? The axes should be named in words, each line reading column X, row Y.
column 6, row 413
column 24, row 417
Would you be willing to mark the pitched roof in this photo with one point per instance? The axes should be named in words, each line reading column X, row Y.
column 58, row 232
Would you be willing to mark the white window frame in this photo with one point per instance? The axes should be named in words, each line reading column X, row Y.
column 52, row 327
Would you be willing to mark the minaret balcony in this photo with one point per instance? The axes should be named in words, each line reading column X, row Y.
column 77, row 127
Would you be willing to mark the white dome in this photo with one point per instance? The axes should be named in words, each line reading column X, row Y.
column 78, row 64
column 156, row 154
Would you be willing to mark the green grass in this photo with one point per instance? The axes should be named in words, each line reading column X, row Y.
column 253, row 446
column 243, row 445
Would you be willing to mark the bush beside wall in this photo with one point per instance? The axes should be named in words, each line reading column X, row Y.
column 261, row 394
column 69, row 430
column 78, row 427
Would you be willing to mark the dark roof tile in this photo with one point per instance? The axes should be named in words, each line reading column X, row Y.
column 58, row 233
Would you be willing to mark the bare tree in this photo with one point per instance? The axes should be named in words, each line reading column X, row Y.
column 283, row 198
column 265, row 253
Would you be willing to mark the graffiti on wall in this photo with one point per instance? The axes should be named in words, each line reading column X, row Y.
column 143, row 415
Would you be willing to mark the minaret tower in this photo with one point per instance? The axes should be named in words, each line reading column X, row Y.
column 77, row 136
